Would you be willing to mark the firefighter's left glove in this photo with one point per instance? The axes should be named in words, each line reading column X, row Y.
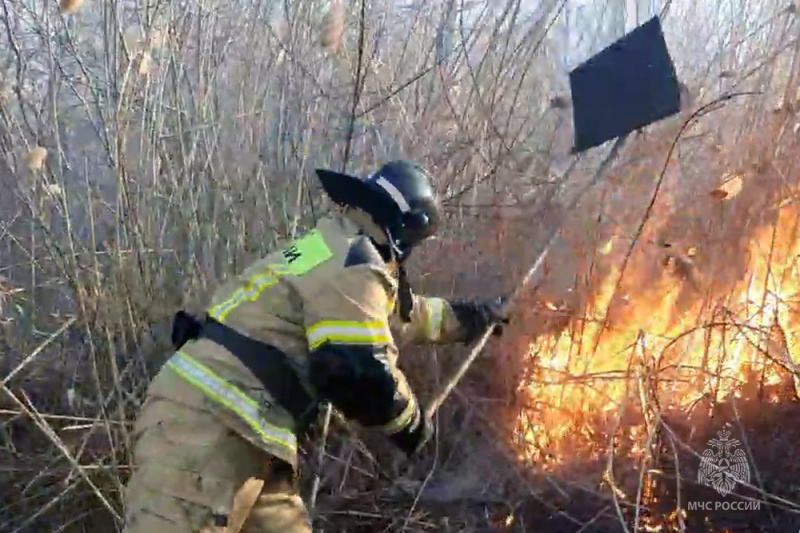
column 415, row 435
column 185, row 327
column 476, row 317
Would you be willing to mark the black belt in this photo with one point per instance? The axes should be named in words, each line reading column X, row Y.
column 270, row 365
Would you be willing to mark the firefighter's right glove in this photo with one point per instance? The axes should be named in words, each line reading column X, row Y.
column 475, row 317
column 415, row 435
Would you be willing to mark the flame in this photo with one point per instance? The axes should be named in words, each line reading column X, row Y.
column 642, row 349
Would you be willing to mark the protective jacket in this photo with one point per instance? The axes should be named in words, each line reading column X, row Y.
column 311, row 321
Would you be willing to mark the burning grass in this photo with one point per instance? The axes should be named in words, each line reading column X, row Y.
column 656, row 346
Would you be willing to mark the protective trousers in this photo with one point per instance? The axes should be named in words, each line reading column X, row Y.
column 194, row 475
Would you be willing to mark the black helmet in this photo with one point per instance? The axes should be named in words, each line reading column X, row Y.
column 399, row 197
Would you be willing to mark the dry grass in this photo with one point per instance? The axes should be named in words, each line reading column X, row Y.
column 180, row 144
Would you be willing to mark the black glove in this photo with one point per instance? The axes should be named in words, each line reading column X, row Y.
column 413, row 437
column 185, row 327
column 476, row 317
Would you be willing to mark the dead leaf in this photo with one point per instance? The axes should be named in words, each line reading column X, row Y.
column 35, row 158
column 54, row 189
column 6, row 90
column 729, row 188
column 68, row 7
column 333, row 26
column 718, row 194
column 145, row 64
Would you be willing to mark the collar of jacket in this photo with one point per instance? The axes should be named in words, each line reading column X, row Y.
column 353, row 222
column 361, row 222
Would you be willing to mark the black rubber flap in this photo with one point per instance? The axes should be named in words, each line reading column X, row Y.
column 628, row 85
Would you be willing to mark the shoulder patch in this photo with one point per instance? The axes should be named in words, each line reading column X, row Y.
column 306, row 253
column 363, row 252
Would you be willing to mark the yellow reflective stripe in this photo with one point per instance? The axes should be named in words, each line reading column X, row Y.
column 249, row 292
column 347, row 332
column 402, row 420
column 298, row 258
column 231, row 397
column 435, row 307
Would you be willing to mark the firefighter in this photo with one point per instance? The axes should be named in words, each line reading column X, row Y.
column 308, row 323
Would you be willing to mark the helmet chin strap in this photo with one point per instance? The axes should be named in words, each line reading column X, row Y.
column 405, row 300
column 397, row 252
column 393, row 250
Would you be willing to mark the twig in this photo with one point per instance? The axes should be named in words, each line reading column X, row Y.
column 320, row 456
column 751, row 458
column 424, row 483
column 594, row 519
column 678, row 496
column 38, row 350
column 608, row 473
column 358, row 82
column 44, row 508
column 54, row 438
column 648, row 399
column 91, row 422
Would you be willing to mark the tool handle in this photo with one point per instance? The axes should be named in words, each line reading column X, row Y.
column 434, row 405
column 439, row 399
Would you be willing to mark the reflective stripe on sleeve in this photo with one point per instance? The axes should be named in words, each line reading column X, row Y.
column 402, row 420
column 249, row 292
column 435, row 308
column 300, row 257
column 231, row 397
column 347, row 332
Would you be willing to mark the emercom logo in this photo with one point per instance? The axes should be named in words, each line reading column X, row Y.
column 723, row 465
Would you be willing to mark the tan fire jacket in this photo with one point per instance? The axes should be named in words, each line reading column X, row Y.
column 330, row 287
